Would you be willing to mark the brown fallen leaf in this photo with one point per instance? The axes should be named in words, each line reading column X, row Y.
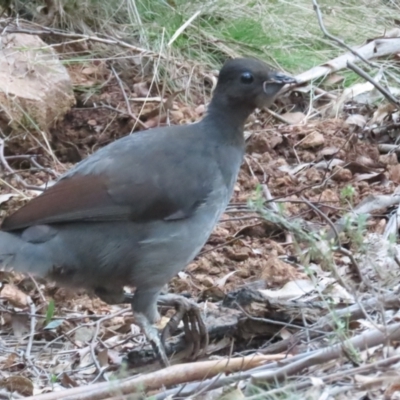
column 20, row 324
column 294, row 117
column 18, row 384
column 314, row 139
column 340, row 174
column 14, row 296
column 356, row 119
column 394, row 173
column 67, row 381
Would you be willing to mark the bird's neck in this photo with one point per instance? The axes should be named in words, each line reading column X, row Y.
column 227, row 115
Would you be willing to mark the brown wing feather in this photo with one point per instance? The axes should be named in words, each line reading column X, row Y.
column 133, row 178
column 82, row 197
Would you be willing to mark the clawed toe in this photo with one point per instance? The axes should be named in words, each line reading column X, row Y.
column 153, row 337
column 189, row 313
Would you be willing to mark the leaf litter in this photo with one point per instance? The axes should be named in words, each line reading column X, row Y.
column 302, row 268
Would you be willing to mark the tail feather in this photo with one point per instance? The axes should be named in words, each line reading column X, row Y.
column 20, row 255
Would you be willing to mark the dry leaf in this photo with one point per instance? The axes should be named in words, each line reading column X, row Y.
column 89, row 70
column 141, row 89
column 329, row 164
column 102, row 356
column 382, row 112
column 222, row 281
column 291, row 290
column 5, row 197
column 391, row 390
column 371, row 178
column 84, row 334
column 293, row 169
column 333, row 80
column 314, row 139
column 356, row 119
column 20, row 324
column 317, row 382
column 232, row 394
column 328, row 151
column 294, row 117
column 19, row 384
column 14, row 296
column 67, row 381
column 389, row 159
column 340, row 174
column 394, row 173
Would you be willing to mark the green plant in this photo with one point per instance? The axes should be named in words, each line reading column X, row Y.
column 347, row 194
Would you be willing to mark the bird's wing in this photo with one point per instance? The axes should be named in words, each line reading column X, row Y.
column 139, row 178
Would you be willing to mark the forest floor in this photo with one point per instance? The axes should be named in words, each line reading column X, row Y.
column 299, row 280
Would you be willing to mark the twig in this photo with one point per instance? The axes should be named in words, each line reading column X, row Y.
column 334, row 38
column 100, row 370
column 276, row 322
column 110, row 41
column 32, row 310
column 369, row 204
column 293, row 388
column 279, row 369
column 278, row 116
column 378, row 86
column 323, row 216
column 269, row 198
column 98, row 322
column 128, row 106
column 366, row 340
column 7, row 167
column 355, row 265
column 329, row 322
column 172, row 375
column 389, row 148
column 376, row 48
column 38, row 288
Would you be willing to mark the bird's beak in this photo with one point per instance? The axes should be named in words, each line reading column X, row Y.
column 280, row 79
column 275, row 82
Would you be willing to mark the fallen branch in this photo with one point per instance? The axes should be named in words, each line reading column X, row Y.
column 329, row 322
column 377, row 85
column 174, row 375
column 361, row 342
column 292, row 388
column 281, row 369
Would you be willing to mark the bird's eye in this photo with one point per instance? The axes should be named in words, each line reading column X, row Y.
column 246, row 78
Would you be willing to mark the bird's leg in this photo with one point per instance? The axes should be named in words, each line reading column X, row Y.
column 152, row 335
column 144, row 308
column 144, row 311
column 187, row 311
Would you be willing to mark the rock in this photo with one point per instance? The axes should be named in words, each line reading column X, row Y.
column 35, row 88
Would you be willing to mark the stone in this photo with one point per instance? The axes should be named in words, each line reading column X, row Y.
column 35, row 88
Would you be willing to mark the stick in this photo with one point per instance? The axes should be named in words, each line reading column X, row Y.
column 368, row 78
column 173, row 375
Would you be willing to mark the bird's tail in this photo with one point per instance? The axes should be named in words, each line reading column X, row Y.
column 19, row 255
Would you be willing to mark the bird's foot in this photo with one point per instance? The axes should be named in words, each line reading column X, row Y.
column 195, row 330
column 152, row 336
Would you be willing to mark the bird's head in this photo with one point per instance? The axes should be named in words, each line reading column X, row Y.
column 250, row 83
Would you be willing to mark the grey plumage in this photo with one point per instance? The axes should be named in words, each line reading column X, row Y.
column 138, row 211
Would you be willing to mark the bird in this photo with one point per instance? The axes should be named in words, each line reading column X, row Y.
column 137, row 211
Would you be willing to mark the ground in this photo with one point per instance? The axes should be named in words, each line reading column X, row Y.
column 262, row 279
